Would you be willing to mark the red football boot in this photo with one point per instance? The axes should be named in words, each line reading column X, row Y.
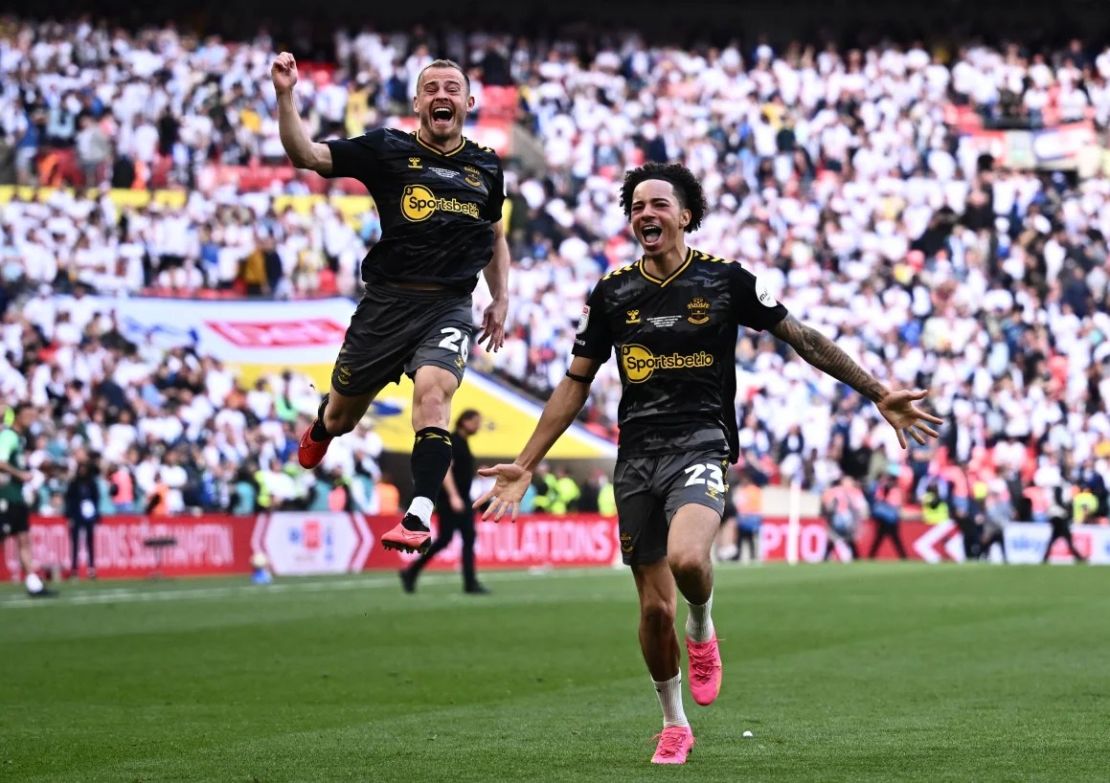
column 311, row 452
column 414, row 538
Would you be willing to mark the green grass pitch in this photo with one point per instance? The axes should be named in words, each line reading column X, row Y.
column 844, row 673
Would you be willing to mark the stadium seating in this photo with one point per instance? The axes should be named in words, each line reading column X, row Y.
column 943, row 216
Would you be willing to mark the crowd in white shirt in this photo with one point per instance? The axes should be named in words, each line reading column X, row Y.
column 833, row 174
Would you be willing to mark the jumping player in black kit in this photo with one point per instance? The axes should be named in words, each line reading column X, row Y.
column 439, row 196
column 673, row 318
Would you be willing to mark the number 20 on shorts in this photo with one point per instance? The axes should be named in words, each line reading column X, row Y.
column 454, row 340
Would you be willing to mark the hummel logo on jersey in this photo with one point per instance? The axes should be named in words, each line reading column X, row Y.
column 414, row 163
column 633, row 317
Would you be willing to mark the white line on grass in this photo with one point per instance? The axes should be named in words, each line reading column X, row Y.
column 292, row 584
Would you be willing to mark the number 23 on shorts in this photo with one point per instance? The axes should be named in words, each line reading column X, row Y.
column 708, row 473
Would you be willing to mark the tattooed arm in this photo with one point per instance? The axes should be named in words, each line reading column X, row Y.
column 896, row 406
column 822, row 353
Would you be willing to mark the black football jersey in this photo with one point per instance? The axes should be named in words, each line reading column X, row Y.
column 437, row 208
column 675, row 341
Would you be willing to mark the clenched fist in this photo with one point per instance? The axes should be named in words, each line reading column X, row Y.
column 284, row 72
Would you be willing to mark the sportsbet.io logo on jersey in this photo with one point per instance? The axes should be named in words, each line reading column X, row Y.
column 418, row 203
column 640, row 364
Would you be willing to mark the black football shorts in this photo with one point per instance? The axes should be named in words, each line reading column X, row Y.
column 395, row 330
column 14, row 518
column 650, row 490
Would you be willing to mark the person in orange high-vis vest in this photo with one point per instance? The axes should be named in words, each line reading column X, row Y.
column 158, row 504
column 389, row 497
column 749, row 515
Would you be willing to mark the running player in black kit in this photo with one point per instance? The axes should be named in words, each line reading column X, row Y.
column 673, row 318
column 439, row 196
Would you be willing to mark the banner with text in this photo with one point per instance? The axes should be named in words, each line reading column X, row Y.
column 1025, row 542
column 257, row 338
column 138, row 546
column 1059, row 147
column 533, row 541
column 253, row 337
column 324, row 542
column 302, row 543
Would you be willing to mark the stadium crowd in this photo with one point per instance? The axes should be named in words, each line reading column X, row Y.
column 168, row 430
column 834, row 174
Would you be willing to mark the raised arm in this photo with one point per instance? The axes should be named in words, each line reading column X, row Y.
column 896, row 406
column 565, row 403
column 301, row 149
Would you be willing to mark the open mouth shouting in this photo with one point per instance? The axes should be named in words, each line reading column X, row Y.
column 442, row 117
column 651, row 235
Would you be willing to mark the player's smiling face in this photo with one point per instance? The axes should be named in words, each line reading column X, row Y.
column 658, row 217
column 442, row 102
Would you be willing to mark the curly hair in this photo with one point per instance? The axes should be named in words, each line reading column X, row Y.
column 685, row 184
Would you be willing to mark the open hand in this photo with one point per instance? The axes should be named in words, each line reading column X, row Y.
column 900, row 412
column 493, row 324
column 506, row 494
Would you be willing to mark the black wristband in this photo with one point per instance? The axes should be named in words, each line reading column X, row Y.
column 579, row 378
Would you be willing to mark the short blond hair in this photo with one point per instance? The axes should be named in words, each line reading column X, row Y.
column 443, row 63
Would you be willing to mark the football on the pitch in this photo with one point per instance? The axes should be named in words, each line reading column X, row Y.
column 259, row 560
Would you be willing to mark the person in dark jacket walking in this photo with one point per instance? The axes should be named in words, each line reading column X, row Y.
column 82, row 504
column 1060, row 519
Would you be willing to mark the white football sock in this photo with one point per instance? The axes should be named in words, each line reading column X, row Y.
column 670, row 699
column 33, row 583
column 422, row 507
column 699, row 625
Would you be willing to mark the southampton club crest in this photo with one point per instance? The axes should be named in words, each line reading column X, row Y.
column 699, row 311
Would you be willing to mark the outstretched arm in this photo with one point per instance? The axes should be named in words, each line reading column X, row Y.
column 823, row 354
column 513, row 479
column 565, row 403
column 302, row 150
column 896, row 406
